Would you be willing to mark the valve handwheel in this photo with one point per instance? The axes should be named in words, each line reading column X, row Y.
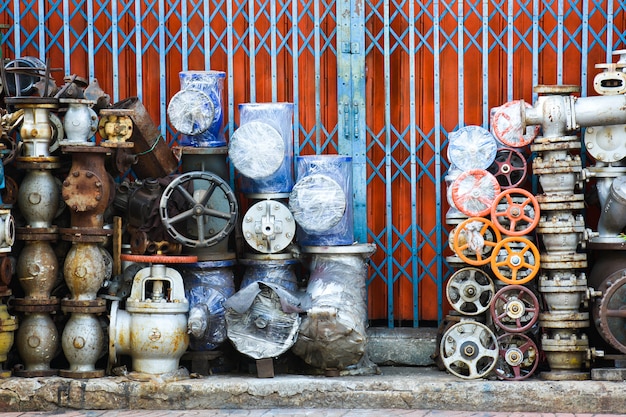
column 509, row 125
column 469, row 291
column 474, row 240
column 515, row 212
column 509, row 168
column 198, row 209
column 518, row 359
column 610, row 312
column 514, row 309
column 515, row 260
column 469, row 350
column 474, row 191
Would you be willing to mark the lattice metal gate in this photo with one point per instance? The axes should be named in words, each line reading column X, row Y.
column 383, row 81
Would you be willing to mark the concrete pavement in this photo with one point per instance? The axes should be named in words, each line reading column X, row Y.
column 401, row 389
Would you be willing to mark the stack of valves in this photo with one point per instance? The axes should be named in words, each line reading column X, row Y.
column 37, row 339
column 261, row 150
column 486, row 185
column 333, row 332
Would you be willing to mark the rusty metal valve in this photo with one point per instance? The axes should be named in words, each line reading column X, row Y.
column 153, row 328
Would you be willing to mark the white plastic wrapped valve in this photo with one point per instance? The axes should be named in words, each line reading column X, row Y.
column 256, row 149
column 318, row 203
column 472, row 147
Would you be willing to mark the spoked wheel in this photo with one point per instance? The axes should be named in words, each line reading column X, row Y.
column 515, row 212
column 469, row 291
column 518, row 357
column 474, row 191
column 514, row 309
column 474, row 240
column 515, row 260
column 198, row 209
column 509, row 168
column 469, row 350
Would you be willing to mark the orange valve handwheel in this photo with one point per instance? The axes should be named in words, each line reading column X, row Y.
column 474, row 240
column 515, row 212
column 474, row 191
column 509, row 126
column 515, row 260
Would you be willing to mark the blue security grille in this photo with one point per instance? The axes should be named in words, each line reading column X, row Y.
column 384, row 81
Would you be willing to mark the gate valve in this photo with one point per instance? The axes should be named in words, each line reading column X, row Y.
column 515, row 212
column 474, row 191
column 515, row 309
column 153, row 328
column 474, row 240
column 515, row 260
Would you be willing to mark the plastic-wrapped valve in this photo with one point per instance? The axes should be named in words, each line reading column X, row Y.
column 472, row 147
column 318, row 203
column 333, row 332
column 191, row 111
column 262, row 320
column 207, row 286
column 256, row 149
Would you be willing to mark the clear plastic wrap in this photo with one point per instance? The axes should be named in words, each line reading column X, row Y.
column 279, row 272
column 321, row 200
column 474, row 192
column 256, row 150
column 333, row 332
column 471, row 147
column 207, row 286
column 508, row 127
column 211, row 83
column 262, row 320
column 262, row 147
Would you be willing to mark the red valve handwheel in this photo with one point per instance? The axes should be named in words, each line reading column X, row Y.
column 474, row 191
column 514, row 309
column 510, row 128
column 518, row 358
column 467, row 248
column 509, row 168
column 515, row 212
column 515, row 260
column 159, row 259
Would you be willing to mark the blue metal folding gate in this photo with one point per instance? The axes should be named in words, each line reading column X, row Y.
column 384, row 81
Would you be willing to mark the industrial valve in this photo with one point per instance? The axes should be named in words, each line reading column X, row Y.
column 515, row 212
column 153, row 328
column 474, row 192
column 515, row 261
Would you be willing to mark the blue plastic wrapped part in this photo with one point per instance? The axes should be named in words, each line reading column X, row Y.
column 472, row 147
column 261, row 149
column 321, row 200
column 279, row 272
column 199, row 116
column 207, row 286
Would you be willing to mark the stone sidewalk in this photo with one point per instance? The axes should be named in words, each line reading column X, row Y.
column 397, row 388
column 297, row 413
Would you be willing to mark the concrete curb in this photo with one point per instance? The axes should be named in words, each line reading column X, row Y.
column 416, row 388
